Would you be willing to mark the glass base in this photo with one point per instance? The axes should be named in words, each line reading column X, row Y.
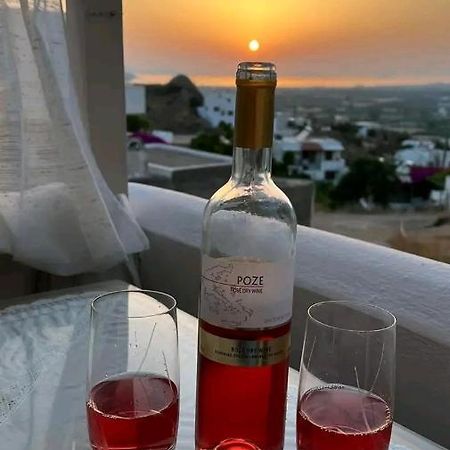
column 236, row 444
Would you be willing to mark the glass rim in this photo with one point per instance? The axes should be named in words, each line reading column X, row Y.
column 147, row 292
column 350, row 304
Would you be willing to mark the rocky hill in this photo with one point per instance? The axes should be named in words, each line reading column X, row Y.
column 173, row 106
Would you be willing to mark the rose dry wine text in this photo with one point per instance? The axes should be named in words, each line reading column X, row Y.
column 248, row 254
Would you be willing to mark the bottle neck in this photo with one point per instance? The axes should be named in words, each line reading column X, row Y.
column 251, row 166
column 253, row 127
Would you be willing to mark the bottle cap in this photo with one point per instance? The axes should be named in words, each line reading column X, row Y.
column 256, row 73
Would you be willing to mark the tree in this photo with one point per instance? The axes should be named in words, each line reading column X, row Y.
column 218, row 140
column 288, row 159
column 279, row 169
column 367, row 178
column 438, row 179
column 348, row 129
column 226, row 130
column 137, row 122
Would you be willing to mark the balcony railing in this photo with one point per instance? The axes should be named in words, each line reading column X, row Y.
column 329, row 266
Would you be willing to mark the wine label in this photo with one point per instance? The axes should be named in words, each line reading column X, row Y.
column 247, row 353
column 241, row 293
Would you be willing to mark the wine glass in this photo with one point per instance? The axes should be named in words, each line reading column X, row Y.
column 133, row 375
column 347, row 378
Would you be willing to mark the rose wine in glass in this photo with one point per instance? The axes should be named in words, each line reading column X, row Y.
column 133, row 412
column 346, row 378
column 133, row 399
column 343, row 418
column 248, row 254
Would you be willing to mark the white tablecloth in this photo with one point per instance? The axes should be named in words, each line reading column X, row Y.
column 43, row 359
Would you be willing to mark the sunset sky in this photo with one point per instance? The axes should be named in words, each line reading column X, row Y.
column 313, row 42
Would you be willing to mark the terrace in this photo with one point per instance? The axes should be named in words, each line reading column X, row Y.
column 416, row 290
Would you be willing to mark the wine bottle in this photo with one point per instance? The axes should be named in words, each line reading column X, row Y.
column 245, row 310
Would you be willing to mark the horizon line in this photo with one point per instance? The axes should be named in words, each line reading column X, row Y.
column 214, row 81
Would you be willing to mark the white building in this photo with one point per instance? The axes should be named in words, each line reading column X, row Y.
column 422, row 153
column 443, row 107
column 319, row 158
column 365, row 128
column 287, row 138
column 418, row 142
column 416, row 156
column 443, row 112
column 410, row 160
column 135, row 99
column 218, row 106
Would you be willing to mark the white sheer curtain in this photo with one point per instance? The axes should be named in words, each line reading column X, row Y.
column 56, row 212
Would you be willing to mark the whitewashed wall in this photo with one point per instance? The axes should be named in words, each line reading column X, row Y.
column 135, row 101
column 218, row 106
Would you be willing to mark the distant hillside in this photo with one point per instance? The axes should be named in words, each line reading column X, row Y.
column 173, row 106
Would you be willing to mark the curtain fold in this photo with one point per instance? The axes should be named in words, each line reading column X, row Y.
column 57, row 213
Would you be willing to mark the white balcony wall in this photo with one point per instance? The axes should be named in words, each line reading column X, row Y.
column 329, row 266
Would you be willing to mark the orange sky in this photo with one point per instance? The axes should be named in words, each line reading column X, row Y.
column 313, row 42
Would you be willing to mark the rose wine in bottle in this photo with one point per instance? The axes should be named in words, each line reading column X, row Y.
column 248, row 253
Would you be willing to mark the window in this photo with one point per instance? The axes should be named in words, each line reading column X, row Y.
column 309, row 156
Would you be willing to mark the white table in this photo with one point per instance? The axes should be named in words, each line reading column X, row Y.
column 43, row 356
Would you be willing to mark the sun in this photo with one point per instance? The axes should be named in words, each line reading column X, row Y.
column 253, row 45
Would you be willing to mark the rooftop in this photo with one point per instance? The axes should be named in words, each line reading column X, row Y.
column 325, row 144
column 172, row 157
column 178, row 158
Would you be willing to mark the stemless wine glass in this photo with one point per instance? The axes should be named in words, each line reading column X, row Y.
column 347, row 377
column 133, row 375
